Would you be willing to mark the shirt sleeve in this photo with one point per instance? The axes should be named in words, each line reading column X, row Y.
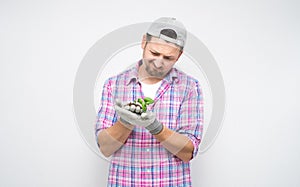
column 106, row 114
column 190, row 118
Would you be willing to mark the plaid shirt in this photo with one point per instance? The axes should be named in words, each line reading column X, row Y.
column 142, row 160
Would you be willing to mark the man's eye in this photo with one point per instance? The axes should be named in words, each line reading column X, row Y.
column 155, row 54
column 168, row 58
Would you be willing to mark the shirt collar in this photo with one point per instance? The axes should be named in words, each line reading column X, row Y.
column 133, row 74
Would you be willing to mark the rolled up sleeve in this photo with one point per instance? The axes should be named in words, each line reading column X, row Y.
column 190, row 118
column 106, row 116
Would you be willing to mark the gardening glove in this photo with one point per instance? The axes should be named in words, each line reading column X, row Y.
column 146, row 119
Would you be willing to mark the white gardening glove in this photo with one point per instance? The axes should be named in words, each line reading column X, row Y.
column 147, row 119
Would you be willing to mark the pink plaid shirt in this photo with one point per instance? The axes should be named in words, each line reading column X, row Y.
column 142, row 160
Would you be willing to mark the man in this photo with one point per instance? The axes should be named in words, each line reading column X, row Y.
column 153, row 149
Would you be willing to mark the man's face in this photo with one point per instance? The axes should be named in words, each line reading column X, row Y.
column 159, row 57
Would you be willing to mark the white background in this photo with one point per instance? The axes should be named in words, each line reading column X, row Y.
column 254, row 42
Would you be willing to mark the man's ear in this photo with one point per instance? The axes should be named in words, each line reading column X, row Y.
column 180, row 53
column 144, row 41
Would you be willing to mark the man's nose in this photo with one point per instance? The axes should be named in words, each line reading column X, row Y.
column 158, row 62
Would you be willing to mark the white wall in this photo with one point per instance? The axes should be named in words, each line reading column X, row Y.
column 254, row 42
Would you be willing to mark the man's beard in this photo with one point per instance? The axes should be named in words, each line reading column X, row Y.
column 152, row 70
column 154, row 73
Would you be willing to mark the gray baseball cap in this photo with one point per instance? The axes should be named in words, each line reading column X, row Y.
column 162, row 26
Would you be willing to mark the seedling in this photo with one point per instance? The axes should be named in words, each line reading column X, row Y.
column 139, row 106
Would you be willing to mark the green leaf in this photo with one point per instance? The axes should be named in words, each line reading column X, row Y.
column 148, row 100
column 140, row 100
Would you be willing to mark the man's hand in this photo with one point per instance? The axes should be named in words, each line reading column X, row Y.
column 146, row 119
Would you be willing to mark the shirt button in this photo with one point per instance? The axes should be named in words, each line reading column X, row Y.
column 147, row 150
